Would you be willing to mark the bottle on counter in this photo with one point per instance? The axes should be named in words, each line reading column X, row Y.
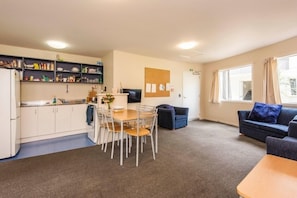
column 54, row 100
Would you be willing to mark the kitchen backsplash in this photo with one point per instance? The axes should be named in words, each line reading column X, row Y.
column 46, row 91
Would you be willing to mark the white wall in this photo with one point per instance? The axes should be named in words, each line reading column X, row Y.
column 128, row 70
column 226, row 112
column 47, row 91
column 108, row 70
column 119, row 67
column 44, row 54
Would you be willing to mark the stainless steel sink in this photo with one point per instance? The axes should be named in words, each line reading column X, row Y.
column 76, row 101
column 60, row 101
column 35, row 103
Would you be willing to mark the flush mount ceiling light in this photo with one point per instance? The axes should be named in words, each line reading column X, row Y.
column 187, row 45
column 57, row 44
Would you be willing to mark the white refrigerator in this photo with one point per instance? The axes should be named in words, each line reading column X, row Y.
column 10, row 132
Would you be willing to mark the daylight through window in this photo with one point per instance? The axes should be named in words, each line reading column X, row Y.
column 236, row 83
column 287, row 74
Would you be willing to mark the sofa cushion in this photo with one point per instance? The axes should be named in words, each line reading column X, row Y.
column 275, row 128
column 286, row 115
column 181, row 117
column 265, row 112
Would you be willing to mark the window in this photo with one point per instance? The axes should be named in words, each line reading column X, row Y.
column 293, row 86
column 236, row 83
column 287, row 74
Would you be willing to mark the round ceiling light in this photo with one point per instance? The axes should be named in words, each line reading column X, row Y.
column 187, row 45
column 57, row 44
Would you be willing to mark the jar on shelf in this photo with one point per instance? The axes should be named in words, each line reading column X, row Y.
column 52, row 66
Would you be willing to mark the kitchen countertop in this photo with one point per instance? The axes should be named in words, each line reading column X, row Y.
column 38, row 103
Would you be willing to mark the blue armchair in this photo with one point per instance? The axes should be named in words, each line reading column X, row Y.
column 171, row 117
column 285, row 147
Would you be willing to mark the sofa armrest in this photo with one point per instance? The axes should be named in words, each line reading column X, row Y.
column 295, row 118
column 281, row 148
column 243, row 114
column 292, row 131
column 181, row 110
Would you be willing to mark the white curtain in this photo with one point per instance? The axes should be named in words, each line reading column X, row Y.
column 214, row 92
column 271, row 84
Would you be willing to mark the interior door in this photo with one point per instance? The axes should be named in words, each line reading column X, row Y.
column 191, row 93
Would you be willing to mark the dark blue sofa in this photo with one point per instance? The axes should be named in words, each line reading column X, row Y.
column 260, row 130
column 171, row 117
column 285, row 147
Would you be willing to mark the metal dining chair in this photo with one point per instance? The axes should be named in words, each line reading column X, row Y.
column 143, row 127
column 101, row 126
column 113, row 129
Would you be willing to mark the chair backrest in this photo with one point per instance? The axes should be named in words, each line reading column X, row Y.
column 108, row 119
column 145, row 108
column 146, row 117
column 100, row 116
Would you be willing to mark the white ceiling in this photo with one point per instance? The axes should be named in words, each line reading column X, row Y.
column 149, row 27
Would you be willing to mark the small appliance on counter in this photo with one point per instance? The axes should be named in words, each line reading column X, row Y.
column 92, row 97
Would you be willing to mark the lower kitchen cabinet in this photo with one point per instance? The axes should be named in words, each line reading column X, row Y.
column 46, row 120
column 52, row 121
column 78, row 117
column 62, row 118
column 29, row 122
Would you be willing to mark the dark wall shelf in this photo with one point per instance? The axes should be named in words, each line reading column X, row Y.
column 42, row 70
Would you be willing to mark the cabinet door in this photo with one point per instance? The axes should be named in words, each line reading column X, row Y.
column 29, row 122
column 78, row 117
column 63, row 117
column 46, row 120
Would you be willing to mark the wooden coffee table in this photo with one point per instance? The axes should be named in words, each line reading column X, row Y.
column 272, row 177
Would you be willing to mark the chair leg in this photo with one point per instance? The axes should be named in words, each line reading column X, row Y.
column 153, row 146
column 130, row 144
column 103, row 142
column 112, row 147
column 118, row 139
column 127, row 144
column 98, row 135
column 141, row 144
column 137, row 150
column 106, row 141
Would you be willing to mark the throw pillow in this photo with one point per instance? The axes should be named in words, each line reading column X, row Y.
column 265, row 112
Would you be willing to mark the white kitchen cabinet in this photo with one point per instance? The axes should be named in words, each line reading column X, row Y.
column 29, row 122
column 52, row 121
column 36, row 121
column 46, row 120
column 78, row 117
column 63, row 118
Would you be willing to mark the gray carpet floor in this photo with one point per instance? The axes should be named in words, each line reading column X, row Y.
column 205, row 159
